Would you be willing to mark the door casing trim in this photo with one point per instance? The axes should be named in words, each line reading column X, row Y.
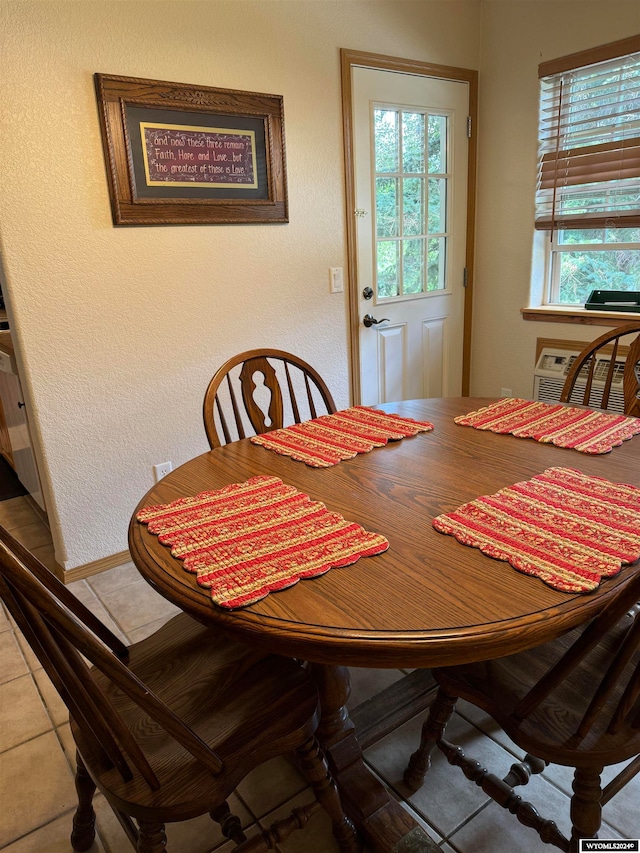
column 348, row 60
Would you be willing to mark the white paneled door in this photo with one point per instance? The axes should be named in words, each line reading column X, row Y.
column 410, row 161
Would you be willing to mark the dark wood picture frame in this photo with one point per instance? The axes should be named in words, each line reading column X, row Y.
column 178, row 154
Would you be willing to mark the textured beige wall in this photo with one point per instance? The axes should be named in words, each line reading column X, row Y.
column 119, row 329
column 516, row 36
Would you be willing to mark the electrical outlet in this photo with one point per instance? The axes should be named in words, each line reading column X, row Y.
column 162, row 470
column 505, row 392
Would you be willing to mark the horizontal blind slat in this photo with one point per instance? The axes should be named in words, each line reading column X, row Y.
column 589, row 143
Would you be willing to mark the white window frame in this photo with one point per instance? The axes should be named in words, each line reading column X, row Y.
column 553, row 251
column 557, row 140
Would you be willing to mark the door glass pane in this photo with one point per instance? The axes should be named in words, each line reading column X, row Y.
column 437, row 140
column 437, row 205
column 386, row 134
column 412, row 265
column 413, row 142
column 413, row 207
column 387, row 267
column 411, row 183
column 435, row 264
column 387, row 213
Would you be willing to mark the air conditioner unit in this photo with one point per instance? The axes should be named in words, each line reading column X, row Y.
column 553, row 366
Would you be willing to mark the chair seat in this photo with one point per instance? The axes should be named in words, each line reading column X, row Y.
column 235, row 698
column 548, row 731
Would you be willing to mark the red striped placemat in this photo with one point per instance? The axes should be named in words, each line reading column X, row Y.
column 566, row 528
column 585, row 430
column 249, row 539
column 329, row 439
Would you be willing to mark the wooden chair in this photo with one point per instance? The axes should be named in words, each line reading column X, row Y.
column 166, row 728
column 573, row 701
column 585, row 366
column 288, row 391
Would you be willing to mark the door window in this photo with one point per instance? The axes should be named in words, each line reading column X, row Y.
column 411, row 186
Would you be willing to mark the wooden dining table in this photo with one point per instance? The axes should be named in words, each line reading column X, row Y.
column 427, row 601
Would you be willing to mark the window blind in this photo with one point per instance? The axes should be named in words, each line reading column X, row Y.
column 589, row 141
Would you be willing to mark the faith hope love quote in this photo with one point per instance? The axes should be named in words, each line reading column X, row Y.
column 191, row 156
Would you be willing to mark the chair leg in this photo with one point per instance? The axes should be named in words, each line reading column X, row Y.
column 439, row 715
column 84, row 820
column 229, row 823
column 151, row 837
column 316, row 771
column 586, row 806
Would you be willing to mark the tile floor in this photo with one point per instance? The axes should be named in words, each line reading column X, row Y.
column 37, row 795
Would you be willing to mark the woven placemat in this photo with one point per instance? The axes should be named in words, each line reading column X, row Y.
column 329, row 439
column 585, row 430
column 249, row 539
column 566, row 528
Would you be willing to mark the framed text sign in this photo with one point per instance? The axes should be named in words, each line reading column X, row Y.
column 179, row 155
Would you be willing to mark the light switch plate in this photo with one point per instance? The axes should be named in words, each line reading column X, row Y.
column 336, row 284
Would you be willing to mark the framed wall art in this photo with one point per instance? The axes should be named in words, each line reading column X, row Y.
column 178, row 154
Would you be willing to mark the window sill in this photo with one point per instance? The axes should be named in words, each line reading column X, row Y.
column 573, row 314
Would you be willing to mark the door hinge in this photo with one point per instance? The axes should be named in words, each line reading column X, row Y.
column 465, row 277
column 469, row 127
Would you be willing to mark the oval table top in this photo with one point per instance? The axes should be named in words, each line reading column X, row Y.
column 428, row 600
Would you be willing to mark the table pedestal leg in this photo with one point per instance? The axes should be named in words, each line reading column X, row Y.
column 381, row 821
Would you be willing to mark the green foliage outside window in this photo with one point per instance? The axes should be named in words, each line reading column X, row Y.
column 595, row 264
column 410, row 204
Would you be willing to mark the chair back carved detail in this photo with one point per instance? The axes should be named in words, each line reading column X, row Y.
column 259, row 391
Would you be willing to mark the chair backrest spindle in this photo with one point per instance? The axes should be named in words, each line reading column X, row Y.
column 607, row 346
column 290, row 391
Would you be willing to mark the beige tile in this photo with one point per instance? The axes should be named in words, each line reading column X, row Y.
column 55, row 706
column 5, row 624
column 33, row 535
column 22, row 714
column 46, row 555
column 13, row 663
column 270, row 785
column 366, row 683
column 494, row 830
column 114, row 579
column 68, row 745
column 87, row 596
column 447, row 799
column 36, row 786
column 16, row 512
column 30, row 656
column 54, row 838
column 137, row 604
